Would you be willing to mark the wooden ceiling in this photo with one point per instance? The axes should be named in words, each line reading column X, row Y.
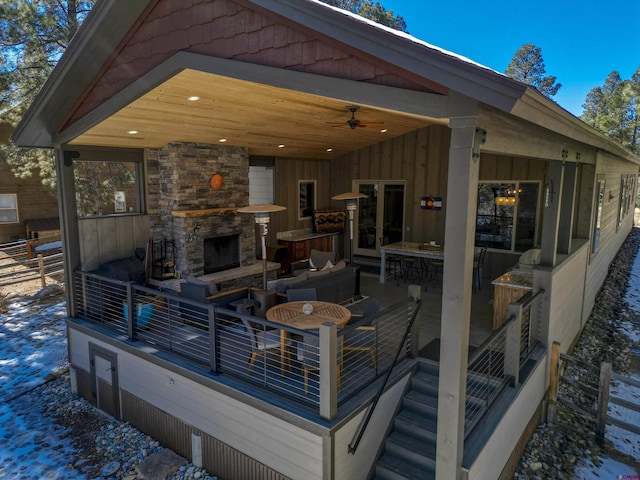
column 253, row 115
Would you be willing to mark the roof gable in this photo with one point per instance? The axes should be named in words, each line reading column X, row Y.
column 232, row 30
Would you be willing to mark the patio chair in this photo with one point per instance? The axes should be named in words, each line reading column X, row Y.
column 197, row 316
column 362, row 338
column 300, row 294
column 262, row 341
column 308, row 354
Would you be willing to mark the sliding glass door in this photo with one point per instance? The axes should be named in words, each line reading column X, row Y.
column 380, row 216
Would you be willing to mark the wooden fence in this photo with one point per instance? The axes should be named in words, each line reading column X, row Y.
column 29, row 260
column 595, row 385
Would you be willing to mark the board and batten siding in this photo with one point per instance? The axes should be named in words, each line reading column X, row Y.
column 508, row 168
column 420, row 158
column 287, row 173
column 108, row 238
column 289, row 449
column 612, row 236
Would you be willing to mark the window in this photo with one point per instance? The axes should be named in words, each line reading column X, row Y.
column 626, row 196
column 8, row 208
column 306, row 198
column 507, row 216
column 107, row 188
column 598, row 213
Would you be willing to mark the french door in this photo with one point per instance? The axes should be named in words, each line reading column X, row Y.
column 380, row 216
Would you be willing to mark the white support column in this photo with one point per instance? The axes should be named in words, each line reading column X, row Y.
column 552, row 200
column 462, row 185
column 567, row 206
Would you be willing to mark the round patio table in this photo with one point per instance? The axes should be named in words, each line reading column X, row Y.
column 291, row 315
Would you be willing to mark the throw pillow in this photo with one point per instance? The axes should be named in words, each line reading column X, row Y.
column 340, row 265
column 211, row 286
column 328, row 266
column 317, row 258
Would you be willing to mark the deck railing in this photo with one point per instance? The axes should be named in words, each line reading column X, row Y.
column 498, row 361
column 311, row 368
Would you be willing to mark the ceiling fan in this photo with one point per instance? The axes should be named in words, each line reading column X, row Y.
column 353, row 122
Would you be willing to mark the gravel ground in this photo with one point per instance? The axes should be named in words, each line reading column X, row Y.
column 566, row 447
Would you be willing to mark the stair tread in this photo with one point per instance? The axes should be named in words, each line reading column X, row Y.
column 428, row 423
column 422, row 397
column 403, row 469
column 414, row 443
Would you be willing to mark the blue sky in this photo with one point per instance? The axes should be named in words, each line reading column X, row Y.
column 582, row 41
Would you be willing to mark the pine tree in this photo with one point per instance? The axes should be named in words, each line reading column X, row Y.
column 371, row 10
column 614, row 109
column 33, row 36
column 527, row 66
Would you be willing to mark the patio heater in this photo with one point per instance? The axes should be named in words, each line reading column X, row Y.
column 262, row 215
column 351, row 202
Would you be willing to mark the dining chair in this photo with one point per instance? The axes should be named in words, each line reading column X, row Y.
column 363, row 338
column 392, row 267
column 478, row 261
column 308, row 354
column 300, row 294
column 262, row 341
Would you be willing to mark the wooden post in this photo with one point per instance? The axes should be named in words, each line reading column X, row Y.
column 512, row 347
column 603, row 401
column 328, row 370
column 553, row 382
column 43, row 279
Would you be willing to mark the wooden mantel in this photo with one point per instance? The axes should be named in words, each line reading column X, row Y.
column 205, row 212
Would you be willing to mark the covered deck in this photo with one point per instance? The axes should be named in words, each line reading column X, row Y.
column 208, row 344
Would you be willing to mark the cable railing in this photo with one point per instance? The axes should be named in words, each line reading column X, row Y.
column 274, row 357
column 497, row 362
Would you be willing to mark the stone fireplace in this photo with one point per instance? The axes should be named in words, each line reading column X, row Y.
column 185, row 208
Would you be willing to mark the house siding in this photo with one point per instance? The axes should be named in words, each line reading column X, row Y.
column 611, row 236
column 226, row 29
column 566, row 297
column 274, row 443
column 34, row 201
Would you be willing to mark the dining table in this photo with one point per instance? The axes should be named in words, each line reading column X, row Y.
column 305, row 315
column 409, row 249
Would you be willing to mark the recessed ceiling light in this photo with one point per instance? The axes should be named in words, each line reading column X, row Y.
column 222, row 140
column 193, row 98
column 132, row 132
column 329, row 149
column 281, row 145
column 384, row 130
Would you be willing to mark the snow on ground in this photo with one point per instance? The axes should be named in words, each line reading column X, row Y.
column 33, row 348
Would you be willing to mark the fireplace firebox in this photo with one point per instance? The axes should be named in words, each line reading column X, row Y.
column 221, row 252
